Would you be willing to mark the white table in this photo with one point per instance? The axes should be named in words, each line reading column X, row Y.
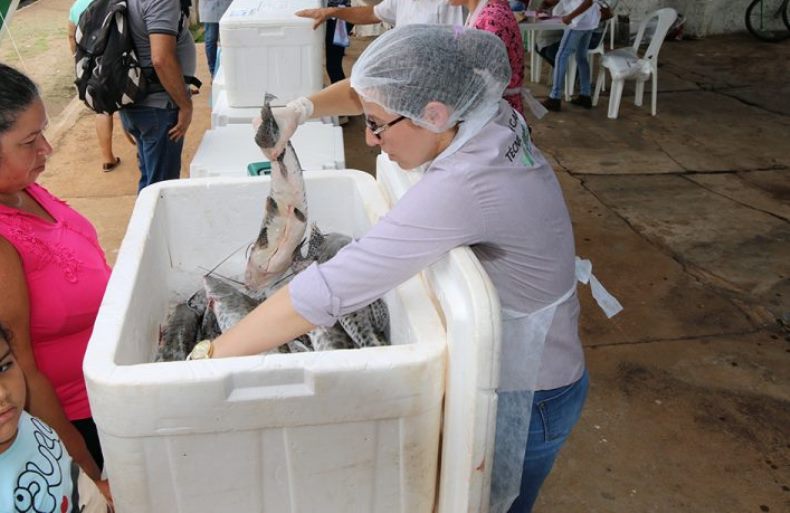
column 530, row 27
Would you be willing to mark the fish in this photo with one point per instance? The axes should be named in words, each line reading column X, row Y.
column 179, row 334
column 209, row 327
column 331, row 338
column 368, row 326
column 285, row 213
column 229, row 303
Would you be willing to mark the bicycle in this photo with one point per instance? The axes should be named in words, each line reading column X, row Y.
column 769, row 20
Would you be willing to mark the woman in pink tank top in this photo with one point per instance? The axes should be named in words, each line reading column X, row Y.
column 52, row 275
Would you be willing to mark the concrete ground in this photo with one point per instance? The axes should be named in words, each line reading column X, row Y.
column 686, row 218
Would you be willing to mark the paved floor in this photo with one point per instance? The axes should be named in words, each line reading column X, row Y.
column 686, row 218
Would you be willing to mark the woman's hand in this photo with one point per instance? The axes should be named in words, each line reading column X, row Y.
column 319, row 15
column 288, row 118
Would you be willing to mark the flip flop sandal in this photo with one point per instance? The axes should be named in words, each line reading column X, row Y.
column 109, row 166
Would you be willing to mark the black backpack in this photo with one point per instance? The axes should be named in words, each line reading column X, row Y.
column 109, row 75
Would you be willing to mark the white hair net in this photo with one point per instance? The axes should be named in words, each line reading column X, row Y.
column 406, row 68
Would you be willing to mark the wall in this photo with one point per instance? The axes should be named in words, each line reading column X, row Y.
column 703, row 17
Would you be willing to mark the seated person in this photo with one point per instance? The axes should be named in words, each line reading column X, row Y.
column 36, row 471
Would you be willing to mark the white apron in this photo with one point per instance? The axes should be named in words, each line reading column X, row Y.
column 523, row 339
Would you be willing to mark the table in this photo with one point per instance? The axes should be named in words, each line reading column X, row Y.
column 529, row 27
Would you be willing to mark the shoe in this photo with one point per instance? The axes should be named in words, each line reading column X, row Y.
column 582, row 101
column 552, row 104
column 109, row 166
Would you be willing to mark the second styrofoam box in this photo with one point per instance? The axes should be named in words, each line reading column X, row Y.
column 266, row 48
column 470, row 307
column 227, row 150
column 353, row 431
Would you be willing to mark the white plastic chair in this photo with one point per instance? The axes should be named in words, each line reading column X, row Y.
column 624, row 64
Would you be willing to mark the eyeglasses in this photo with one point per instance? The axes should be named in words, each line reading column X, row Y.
column 377, row 129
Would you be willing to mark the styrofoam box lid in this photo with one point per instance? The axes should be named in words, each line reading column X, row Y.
column 181, row 228
column 227, row 150
column 470, row 305
column 257, row 13
column 223, row 114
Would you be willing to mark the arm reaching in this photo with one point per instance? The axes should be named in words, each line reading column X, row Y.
column 363, row 15
column 272, row 323
column 336, row 100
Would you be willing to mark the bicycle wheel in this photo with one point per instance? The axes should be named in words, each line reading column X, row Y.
column 765, row 19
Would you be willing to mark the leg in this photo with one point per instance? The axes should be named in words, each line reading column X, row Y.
column 554, row 414
column 211, row 36
column 333, row 54
column 87, row 429
column 103, row 124
column 129, row 118
column 583, row 65
column 599, row 83
column 570, row 40
column 615, row 95
column 654, row 92
column 159, row 157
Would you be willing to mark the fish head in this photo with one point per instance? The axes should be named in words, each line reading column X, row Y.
column 268, row 131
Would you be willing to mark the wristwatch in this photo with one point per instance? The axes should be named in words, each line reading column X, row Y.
column 202, row 350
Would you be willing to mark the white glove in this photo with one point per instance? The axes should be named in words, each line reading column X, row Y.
column 288, row 118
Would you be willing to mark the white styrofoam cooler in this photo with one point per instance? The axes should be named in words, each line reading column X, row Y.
column 226, row 151
column 223, row 114
column 336, row 432
column 470, row 307
column 266, row 48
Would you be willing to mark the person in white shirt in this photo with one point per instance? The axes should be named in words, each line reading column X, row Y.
column 582, row 17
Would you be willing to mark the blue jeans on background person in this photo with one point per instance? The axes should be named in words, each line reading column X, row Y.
column 549, row 53
column 211, row 37
column 573, row 42
column 554, row 413
column 158, row 156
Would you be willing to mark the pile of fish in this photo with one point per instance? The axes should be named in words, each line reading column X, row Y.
column 280, row 251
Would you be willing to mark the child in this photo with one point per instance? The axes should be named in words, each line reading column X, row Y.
column 582, row 19
column 36, row 473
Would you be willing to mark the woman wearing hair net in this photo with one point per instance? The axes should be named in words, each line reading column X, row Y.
column 433, row 95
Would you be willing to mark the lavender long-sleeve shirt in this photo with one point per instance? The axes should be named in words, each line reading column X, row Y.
column 496, row 194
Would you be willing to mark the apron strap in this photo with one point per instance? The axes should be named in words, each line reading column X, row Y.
column 608, row 303
column 537, row 109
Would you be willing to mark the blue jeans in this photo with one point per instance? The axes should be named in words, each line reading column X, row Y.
column 158, row 156
column 554, row 413
column 210, row 37
column 573, row 42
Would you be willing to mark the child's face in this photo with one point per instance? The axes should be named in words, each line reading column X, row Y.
column 12, row 395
